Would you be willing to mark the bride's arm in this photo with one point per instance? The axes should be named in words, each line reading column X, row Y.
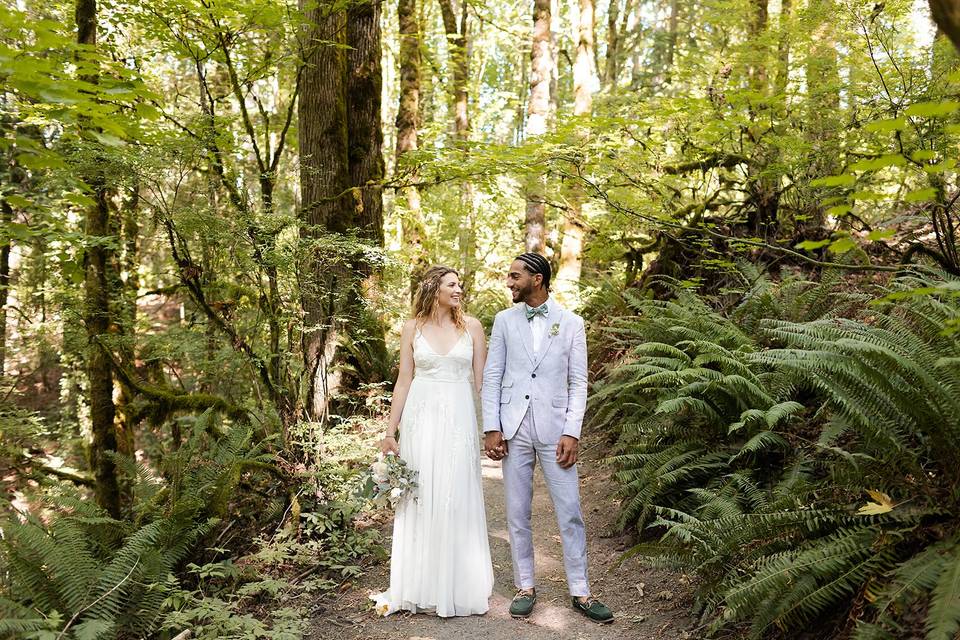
column 401, row 388
column 479, row 351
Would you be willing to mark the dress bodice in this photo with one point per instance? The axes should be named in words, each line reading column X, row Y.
column 453, row 366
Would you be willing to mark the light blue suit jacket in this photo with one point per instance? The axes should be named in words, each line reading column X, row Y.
column 553, row 382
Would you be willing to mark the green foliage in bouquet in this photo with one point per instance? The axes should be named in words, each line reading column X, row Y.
column 388, row 481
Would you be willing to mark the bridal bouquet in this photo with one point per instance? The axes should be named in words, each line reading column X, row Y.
column 388, row 481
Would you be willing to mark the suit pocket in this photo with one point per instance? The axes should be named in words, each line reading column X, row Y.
column 559, row 401
column 505, row 396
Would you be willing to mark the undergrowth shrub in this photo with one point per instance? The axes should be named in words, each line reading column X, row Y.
column 750, row 438
column 67, row 570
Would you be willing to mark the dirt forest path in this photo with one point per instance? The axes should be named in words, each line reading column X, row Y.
column 648, row 603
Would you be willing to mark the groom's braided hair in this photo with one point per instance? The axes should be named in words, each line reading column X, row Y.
column 536, row 263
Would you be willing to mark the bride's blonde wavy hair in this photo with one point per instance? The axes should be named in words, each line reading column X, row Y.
column 426, row 301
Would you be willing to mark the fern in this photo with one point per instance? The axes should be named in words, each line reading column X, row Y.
column 748, row 441
column 109, row 578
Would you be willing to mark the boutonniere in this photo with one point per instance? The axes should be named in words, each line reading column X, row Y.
column 555, row 329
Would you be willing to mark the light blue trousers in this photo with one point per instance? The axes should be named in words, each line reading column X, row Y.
column 523, row 452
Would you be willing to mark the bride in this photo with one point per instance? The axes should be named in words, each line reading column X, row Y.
column 440, row 558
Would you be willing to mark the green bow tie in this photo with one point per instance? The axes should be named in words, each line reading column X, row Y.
column 537, row 311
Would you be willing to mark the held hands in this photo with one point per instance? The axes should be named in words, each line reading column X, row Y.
column 494, row 445
column 567, row 451
column 389, row 445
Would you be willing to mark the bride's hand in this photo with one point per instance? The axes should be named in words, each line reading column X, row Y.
column 389, row 445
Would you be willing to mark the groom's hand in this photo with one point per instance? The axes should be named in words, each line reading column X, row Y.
column 494, row 445
column 567, row 451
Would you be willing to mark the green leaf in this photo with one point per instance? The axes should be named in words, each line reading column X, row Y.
column 880, row 234
column 79, row 199
column 842, row 245
column 884, row 161
column 147, row 111
column 72, row 271
column 18, row 231
column 885, row 126
column 107, row 139
column 923, row 154
column 839, row 210
column 843, row 180
column 19, row 201
column 810, row 245
column 921, row 195
column 932, row 109
column 946, row 165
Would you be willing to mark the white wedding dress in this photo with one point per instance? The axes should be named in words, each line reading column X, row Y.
column 440, row 558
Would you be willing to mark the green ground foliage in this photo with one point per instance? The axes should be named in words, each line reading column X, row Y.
column 796, row 450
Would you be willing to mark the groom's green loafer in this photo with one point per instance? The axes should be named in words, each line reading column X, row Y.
column 522, row 604
column 593, row 609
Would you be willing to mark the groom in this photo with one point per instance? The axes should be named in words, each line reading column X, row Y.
column 534, row 396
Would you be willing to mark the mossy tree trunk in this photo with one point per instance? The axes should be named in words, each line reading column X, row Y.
column 455, row 26
column 98, row 304
column 324, row 181
column 408, row 120
column 366, row 169
column 341, row 171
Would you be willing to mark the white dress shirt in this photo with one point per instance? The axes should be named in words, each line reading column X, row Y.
column 539, row 327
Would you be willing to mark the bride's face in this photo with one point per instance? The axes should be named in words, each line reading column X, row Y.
column 450, row 293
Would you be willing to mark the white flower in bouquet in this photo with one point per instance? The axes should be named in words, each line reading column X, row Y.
column 389, row 481
column 380, row 469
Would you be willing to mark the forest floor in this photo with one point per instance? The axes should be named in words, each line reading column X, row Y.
column 648, row 603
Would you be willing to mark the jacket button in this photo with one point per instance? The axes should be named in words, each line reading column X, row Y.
column 526, row 397
column 533, row 375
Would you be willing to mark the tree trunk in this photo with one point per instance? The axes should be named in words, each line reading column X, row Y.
column 823, row 89
column 459, row 44
column 571, row 246
column 757, row 70
column 363, row 88
column 6, row 211
column 324, row 179
column 666, row 61
column 946, row 13
column 97, row 309
column 823, row 110
column 538, row 114
column 365, row 135
column 783, row 51
column 341, row 174
column 613, row 43
column 408, row 113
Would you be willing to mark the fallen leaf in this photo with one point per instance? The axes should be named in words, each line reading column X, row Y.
column 882, row 504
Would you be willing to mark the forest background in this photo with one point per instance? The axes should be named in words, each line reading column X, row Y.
column 214, row 213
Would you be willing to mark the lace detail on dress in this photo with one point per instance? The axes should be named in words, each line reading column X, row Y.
column 453, row 366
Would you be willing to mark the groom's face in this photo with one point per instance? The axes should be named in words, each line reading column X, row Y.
column 521, row 282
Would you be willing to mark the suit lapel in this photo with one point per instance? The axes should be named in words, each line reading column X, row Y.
column 555, row 317
column 526, row 333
